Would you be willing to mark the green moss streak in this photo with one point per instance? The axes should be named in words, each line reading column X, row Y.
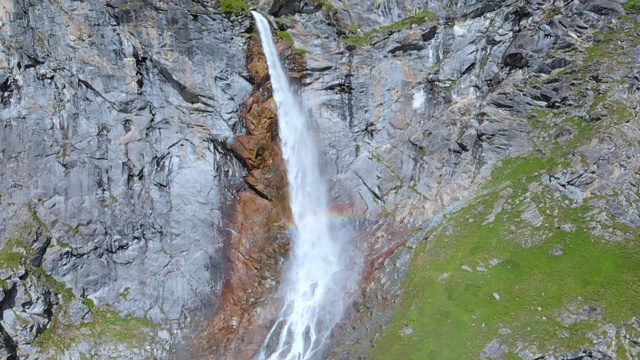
column 298, row 51
column 632, row 5
column 90, row 304
column 417, row 19
column 13, row 254
column 39, row 220
column 73, row 229
column 285, row 36
column 4, row 284
column 107, row 327
column 234, row 7
column 356, row 40
column 58, row 287
column 125, row 293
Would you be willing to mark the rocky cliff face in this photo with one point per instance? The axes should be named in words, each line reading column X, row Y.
column 116, row 180
column 419, row 110
column 142, row 193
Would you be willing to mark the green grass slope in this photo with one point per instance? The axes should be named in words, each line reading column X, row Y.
column 451, row 313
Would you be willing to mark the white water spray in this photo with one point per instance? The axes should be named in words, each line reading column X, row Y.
column 315, row 282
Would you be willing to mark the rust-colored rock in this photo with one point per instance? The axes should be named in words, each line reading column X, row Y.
column 258, row 243
column 255, row 152
column 258, row 178
column 257, row 109
column 258, row 238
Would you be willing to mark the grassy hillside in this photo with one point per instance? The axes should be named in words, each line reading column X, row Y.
column 522, row 282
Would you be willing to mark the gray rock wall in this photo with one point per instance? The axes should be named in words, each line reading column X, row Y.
column 114, row 119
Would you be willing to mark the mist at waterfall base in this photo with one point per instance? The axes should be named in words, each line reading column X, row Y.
column 317, row 276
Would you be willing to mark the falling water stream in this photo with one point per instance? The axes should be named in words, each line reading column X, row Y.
column 314, row 279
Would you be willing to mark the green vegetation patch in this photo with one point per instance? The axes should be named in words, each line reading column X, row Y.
column 326, row 5
column 134, row 5
column 612, row 48
column 234, row 6
column 298, row 51
column 13, row 254
column 356, row 40
column 546, row 122
column 58, row 287
column 417, row 19
column 107, row 327
column 10, row 259
column 609, row 51
column 90, row 304
column 516, row 289
column 286, row 36
column 632, row 5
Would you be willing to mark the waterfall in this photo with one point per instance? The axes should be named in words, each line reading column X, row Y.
column 314, row 280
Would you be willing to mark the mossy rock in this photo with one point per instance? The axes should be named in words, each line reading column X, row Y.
column 234, row 7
